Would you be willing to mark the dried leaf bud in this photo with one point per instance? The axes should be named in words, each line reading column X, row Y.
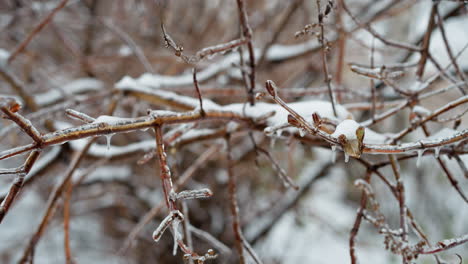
column 10, row 103
column 271, row 87
column 360, row 132
column 259, row 96
column 316, row 119
column 15, row 107
column 293, row 121
column 342, row 139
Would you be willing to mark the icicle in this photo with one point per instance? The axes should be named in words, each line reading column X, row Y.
column 333, row 149
column 418, row 161
column 268, row 131
column 346, row 157
column 272, row 141
column 211, row 56
column 279, row 132
column 302, row 132
column 436, row 152
column 176, row 234
column 108, row 139
column 174, row 249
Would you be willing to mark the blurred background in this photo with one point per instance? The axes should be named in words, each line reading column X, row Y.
column 88, row 46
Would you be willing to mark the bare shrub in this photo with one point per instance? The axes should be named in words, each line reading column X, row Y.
column 208, row 123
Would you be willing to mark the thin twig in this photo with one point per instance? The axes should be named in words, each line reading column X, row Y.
column 327, row 77
column 357, row 222
column 36, row 30
column 247, row 33
column 195, row 82
column 401, row 201
column 233, row 204
column 129, row 41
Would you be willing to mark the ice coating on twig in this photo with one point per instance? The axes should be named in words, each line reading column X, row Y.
column 276, row 52
column 173, row 215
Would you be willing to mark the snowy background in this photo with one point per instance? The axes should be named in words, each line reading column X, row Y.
column 78, row 62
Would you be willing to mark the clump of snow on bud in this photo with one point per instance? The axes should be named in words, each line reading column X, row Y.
column 268, row 131
column 231, row 127
column 347, row 128
column 421, row 111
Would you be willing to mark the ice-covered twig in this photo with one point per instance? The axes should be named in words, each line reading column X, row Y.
column 445, row 244
column 194, row 194
column 453, row 59
column 22, row 122
column 374, row 33
column 460, row 101
column 414, row 146
column 20, row 48
column 295, row 119
column 287, row 181
column 18, row 86
column 157, row 208
column 309, row 175
column 51, row 203
column 127, row 39
column 236, row 226
column 79, row 116
column 173, row 215
column 211, row 240
column 195, row 82
column 444, row 167
column 357, row 221
column 376, row 73
column 277, row 52
column 246, row 32
column 402, row 203
column 324, row 45
column 18, row 183
column 293, row 6
column 210, row 51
